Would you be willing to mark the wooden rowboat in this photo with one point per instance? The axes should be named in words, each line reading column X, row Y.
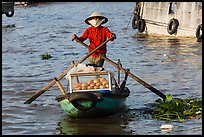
column 91, row 102
column 93, row 92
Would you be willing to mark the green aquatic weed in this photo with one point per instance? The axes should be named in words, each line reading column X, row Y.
column 177, row 109
column 45, row 56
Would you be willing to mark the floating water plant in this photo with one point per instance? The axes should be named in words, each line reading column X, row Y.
column 177, row 109
column 45, row 56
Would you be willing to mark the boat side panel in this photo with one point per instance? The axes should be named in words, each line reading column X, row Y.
column 105, row 107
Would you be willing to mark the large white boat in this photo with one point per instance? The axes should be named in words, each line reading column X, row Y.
column 177, row 19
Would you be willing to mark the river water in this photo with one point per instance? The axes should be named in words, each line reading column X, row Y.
column 173, row 66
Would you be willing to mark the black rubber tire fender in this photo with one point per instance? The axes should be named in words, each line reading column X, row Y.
column 135, row 21
column 172, row 26
column 74, row 97
column 10, row 13
column 198, row 32
column 141, row 25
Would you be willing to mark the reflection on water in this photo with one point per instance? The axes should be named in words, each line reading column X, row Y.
column 173, row 66
column 117, row 124
column 102, row 126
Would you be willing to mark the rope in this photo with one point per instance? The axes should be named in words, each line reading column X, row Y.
column 129, row 21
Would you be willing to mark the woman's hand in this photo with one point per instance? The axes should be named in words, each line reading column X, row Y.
column 74, row 36
column 114, row 36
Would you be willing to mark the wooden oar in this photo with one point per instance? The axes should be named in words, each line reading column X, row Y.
column 41, row 91
column 60, row 86
column 119, row 71
column 163, row 96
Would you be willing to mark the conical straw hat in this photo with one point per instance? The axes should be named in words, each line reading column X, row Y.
column 96, row 14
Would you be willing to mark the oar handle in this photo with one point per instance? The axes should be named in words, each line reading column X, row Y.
column 112, row 36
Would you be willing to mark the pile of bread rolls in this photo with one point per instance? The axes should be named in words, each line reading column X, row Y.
column 98, row 83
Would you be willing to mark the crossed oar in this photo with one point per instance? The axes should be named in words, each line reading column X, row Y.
column 128, row 72
column 41, row 91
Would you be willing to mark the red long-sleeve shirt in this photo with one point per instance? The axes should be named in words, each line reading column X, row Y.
column 96, row 35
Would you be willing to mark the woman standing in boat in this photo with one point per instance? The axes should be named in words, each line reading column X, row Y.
column 97, row 34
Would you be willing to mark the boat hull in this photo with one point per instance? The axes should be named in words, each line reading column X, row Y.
column 158, row 16
column 107, row 104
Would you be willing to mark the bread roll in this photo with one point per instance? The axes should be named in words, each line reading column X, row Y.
column 84, row 87
column 98, row 83
column 101, row 86
column 78, row 88
column 95, row 80
column 89, row 87
column 103, row 79
column 77, row 85
column 96, row 87
column 92, row 85
column 104, row 83
column 90, row 82
column 85, row 84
